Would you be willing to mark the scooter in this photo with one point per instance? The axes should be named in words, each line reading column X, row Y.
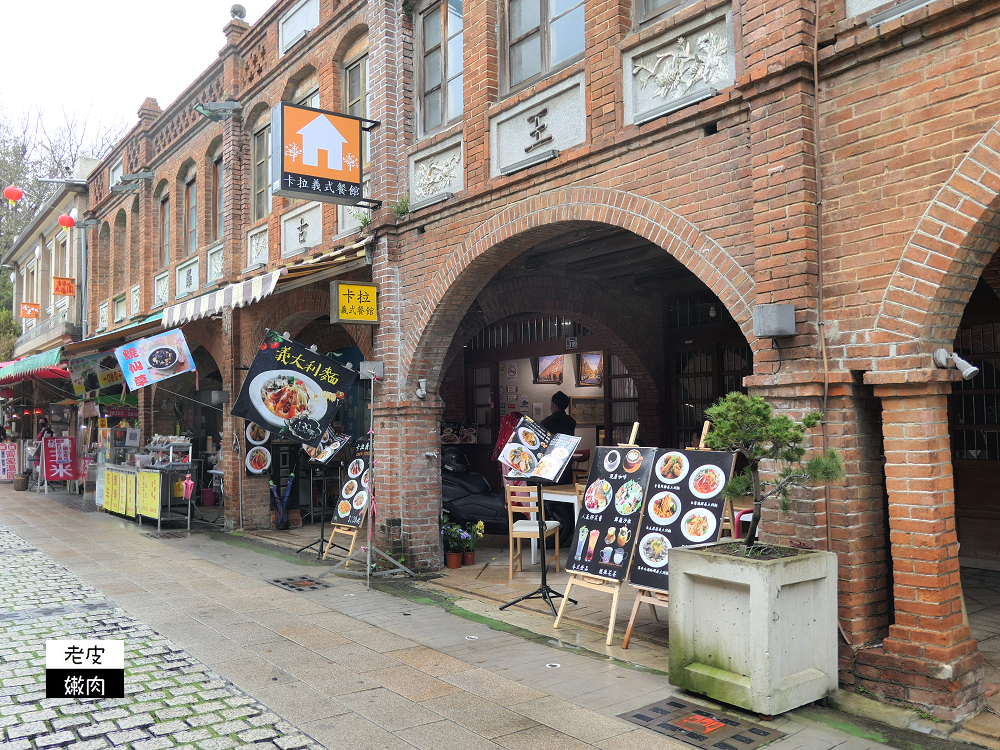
column 468, row 498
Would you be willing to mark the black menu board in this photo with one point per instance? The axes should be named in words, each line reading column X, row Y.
column 534, row 452
column 356, row 492
column 684, row 507
column 609, row 518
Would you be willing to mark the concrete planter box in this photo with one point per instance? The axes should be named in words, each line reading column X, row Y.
column 759, row 634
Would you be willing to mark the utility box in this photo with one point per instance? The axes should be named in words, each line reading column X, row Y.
column 770, row 321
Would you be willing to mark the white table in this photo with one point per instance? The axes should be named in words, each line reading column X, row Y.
column 557, row 493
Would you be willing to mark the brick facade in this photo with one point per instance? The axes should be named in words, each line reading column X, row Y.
column 727, row 186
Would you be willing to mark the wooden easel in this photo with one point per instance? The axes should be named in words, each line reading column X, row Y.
column 654, row 599
column 351, row 531
column 597, row 583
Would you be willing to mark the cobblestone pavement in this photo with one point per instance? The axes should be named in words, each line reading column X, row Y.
column 219, row 657
column 171, row 699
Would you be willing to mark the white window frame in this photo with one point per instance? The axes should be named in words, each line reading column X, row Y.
column 120, row 300
column 306, row 12
column 116, row 172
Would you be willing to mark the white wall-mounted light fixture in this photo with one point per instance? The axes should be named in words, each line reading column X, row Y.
column 944, row 359
column 421, row 388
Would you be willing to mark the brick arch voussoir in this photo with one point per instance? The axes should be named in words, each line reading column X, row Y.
column 945, row 256
column 506, row 234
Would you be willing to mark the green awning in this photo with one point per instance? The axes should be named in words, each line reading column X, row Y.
column 31, row 365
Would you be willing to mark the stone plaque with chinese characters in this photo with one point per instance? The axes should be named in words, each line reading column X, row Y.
column 353, row 302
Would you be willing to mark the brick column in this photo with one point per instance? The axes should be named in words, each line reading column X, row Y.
column 408, row 482
column 929, row 657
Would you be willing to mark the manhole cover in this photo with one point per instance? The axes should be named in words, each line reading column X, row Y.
column 700, row 727
column 167, row 535
column 300, row 583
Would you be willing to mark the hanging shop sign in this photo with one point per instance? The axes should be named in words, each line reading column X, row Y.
column 684, row 507
column 8, row 461
column 63, row 286
column 329, row 447
column 31, row 310
column 353, row 302
column 157, row 358
column 609, row 519
column 292, row 390
column 317, row 154
column 59, row 459
column 94, row 371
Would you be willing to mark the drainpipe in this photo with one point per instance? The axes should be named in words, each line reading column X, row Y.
column 820, row 319
column 83, row 286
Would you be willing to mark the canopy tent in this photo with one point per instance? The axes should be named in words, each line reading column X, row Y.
column 44, row 365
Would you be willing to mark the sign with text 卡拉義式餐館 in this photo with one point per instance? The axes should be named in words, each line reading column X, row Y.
column 317, row 155
column 353, row 302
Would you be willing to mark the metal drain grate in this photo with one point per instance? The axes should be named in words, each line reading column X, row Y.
column 168, row 535
column 700, row 727
column 300, row 583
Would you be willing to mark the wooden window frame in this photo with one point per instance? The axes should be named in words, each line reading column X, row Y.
column 261, row 185
column 164, row 224
column 544, row 25
column 446, row 36
column 218, row 195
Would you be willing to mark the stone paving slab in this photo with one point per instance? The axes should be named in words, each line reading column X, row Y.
column 340, row 667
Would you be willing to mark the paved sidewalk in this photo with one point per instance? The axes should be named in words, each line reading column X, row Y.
column 346, row 667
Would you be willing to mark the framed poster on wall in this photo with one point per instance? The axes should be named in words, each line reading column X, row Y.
column 590, row 369
column 588, row 410
column 548, row 369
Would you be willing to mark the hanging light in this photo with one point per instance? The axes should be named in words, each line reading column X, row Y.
column 13, row 194
column 39, row 411
column 27, row 412
column 66, row 222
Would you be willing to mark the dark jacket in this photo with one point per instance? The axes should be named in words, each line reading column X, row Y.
column 560, row 422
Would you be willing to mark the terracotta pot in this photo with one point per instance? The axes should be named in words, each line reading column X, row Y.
column 453, row 559
column 469, row 558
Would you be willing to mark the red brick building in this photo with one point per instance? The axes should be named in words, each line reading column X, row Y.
column 637, row 175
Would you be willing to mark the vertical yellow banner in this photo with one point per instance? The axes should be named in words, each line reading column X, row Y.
column 130, row 495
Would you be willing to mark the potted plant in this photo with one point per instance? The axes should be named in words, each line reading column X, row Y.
column 751, row 624
column 475, row 531
column 455, row 540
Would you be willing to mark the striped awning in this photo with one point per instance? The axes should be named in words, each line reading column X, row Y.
column 234, row 295
column 39, row 365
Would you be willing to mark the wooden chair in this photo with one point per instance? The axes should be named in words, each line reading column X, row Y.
column 527, row 529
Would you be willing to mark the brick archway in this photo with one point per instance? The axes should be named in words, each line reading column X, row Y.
column 507, row 234
column 944, row 258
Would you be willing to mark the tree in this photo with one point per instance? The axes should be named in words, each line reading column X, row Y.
column 33, row 150
column 748, row 426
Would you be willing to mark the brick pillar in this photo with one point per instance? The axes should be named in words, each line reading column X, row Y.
column 407, row 483
column 929, row 658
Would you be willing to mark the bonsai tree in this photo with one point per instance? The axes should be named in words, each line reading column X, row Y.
column 748, row 426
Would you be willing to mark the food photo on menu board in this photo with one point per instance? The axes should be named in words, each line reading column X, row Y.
column 684, row 507
column 534, row 452
column 609, row 519
column 292, row 391
column 355, row 494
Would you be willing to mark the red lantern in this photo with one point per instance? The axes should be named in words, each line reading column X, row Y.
column 66, row 221
column 13, row 194
column 8, row 393
column 39, row 411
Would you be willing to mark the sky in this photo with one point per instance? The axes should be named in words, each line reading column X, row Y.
column 106, row 56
